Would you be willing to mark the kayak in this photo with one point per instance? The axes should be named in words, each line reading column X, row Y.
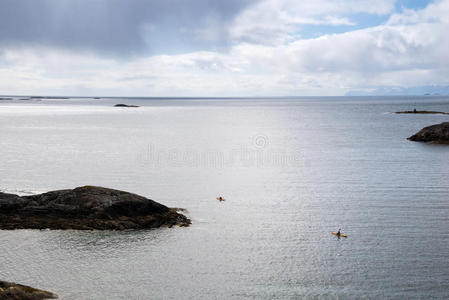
column 339, row 235
column 221, row 199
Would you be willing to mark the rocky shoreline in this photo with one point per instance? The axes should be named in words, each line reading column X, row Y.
column 86, row 208
column 422, row 112
column 14, row 291
column 435, row 134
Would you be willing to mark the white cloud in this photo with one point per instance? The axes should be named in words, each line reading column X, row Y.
column 271, row 22
column 434, row 12
column 412, row 48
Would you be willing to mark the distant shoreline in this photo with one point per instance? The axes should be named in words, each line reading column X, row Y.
column 58, row 97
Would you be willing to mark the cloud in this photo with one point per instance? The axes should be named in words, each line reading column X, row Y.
column 271, row 22
column 142, row 27
column 435, row 12
column 113, row 26
column 265, row 55
column 412, row 48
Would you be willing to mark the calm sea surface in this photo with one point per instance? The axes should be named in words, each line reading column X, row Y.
column 291, row 170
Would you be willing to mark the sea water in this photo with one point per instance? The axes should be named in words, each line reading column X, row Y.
column 291, row 170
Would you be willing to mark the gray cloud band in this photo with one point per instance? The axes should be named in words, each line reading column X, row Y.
column 113, row 26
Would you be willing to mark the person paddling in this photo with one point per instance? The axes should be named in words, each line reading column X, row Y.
column 339, row 234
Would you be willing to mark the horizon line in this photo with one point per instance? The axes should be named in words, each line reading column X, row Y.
column 212, row 97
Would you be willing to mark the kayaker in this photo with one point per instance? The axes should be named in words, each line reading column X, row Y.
column 339, row 232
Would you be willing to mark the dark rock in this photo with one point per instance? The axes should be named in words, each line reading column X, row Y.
column 421, row 112
column 13, row 291
column 86, row 207
column 125, row 105
column 10, row 202
column 438, row 134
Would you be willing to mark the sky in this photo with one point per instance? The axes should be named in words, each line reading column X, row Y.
column 217, row 48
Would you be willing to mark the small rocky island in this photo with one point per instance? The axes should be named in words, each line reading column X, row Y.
column 14, row 291
column 125, row 105
column 435, row 134
column 86, row 208
column 421, row 112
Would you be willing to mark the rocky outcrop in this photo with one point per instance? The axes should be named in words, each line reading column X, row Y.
column 438, row 134
column 421, row 112
column 125, row 105
column 13, row 291
column 87, row 207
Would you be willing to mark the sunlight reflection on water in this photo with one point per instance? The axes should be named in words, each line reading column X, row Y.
column 291, row 171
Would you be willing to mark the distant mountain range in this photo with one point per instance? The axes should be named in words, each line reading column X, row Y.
column 403, row 91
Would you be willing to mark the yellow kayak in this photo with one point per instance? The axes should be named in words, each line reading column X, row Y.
column 340, row 235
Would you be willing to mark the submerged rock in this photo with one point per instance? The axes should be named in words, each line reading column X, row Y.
column 125, row 105
column 438, row 134
column 87, row 207
column 13, row 291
